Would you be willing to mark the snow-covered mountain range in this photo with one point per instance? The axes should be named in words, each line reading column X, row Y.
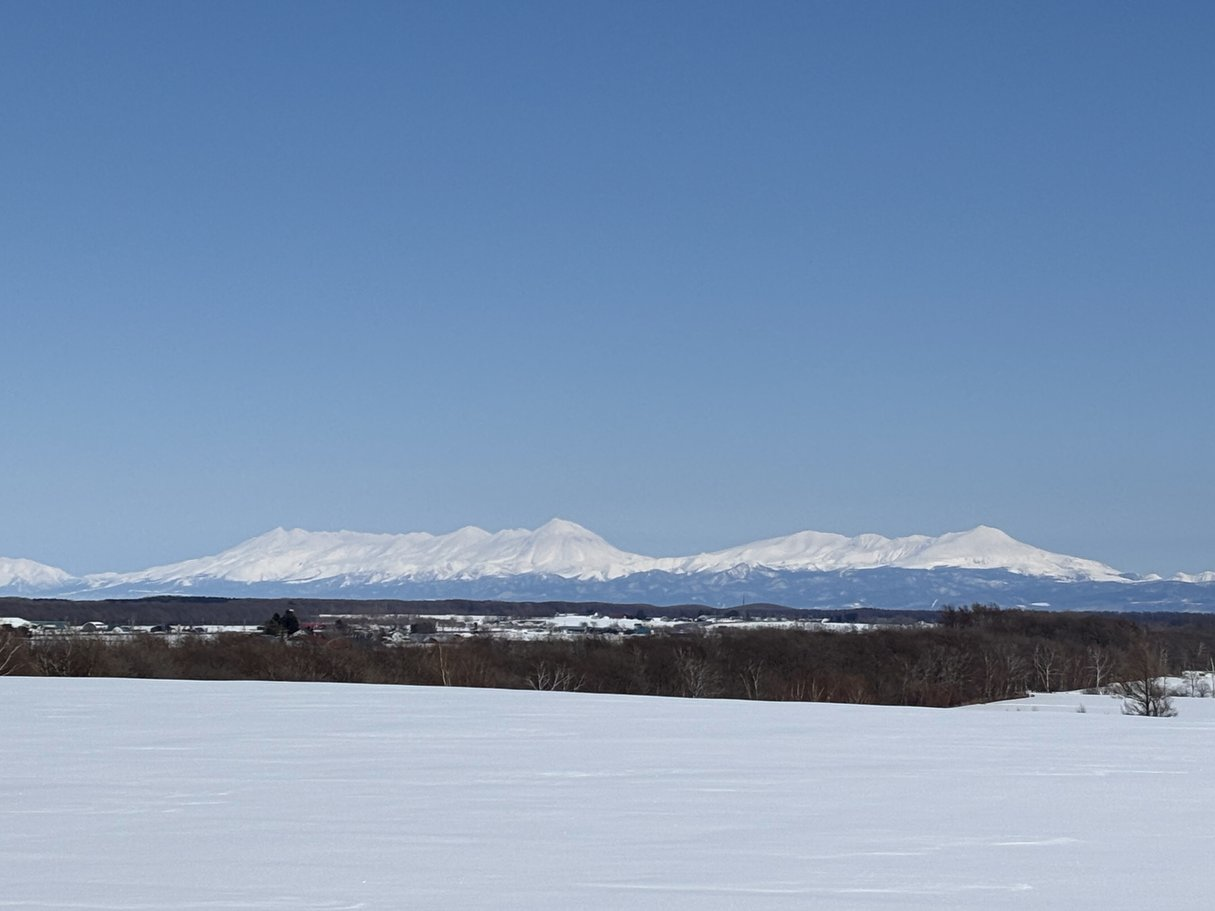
column 563, row 560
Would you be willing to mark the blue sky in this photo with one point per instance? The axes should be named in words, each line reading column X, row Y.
column 689, row 274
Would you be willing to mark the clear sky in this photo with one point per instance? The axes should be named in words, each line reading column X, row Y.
column 689, row 274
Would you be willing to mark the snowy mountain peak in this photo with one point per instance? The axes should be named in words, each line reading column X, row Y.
column 23, row 576
column 565, row 528
column 990, row 548
column 558, row 547
column 986, row 533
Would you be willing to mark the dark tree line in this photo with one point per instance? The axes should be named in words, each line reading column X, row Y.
column 973, row 654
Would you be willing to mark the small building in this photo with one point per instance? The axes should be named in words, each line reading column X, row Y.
column 50, row 626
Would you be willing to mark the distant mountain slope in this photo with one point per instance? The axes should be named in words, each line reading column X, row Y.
column 979, row 548
column 557, row 548
column 563, row 560
column 19, row 577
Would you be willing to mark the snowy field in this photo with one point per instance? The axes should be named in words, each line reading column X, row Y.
column 122, row 794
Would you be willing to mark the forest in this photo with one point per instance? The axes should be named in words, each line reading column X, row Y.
column 970, row 654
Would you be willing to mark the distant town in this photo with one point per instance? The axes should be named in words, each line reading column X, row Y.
column 424, row 628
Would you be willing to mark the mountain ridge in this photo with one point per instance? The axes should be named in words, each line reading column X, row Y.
column 299, row 560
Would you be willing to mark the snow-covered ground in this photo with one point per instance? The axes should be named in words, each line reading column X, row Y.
column 1188, row 709
column 122, row 794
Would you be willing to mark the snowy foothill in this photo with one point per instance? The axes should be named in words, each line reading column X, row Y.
column 130, row 794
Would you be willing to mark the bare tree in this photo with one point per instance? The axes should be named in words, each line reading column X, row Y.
column 1100, row 661
column 1196, row 683
column 554, row 677
column 444, row 663
column 695, row 674
column 752, row 677
column 11, row 646
column 66, row 655
column 1045, row 659
column 1144, row 691
column 806, row 689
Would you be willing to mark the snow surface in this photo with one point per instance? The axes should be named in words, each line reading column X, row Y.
column 125, row 794
column 558, row 548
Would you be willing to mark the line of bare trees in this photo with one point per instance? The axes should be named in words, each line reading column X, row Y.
column 974, row 654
